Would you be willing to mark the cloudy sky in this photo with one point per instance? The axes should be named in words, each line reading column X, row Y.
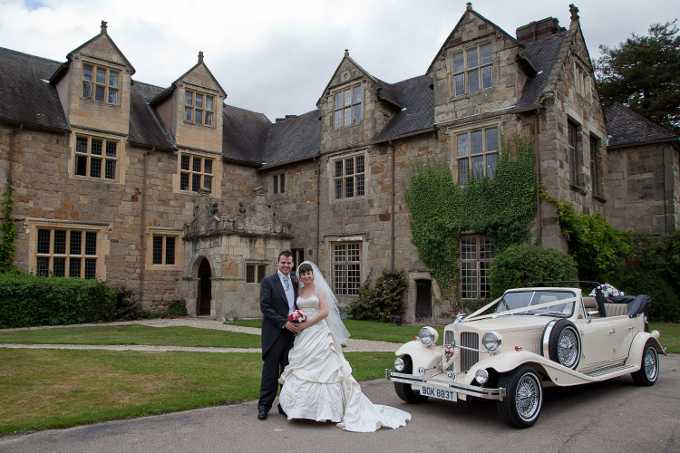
column 276, row 56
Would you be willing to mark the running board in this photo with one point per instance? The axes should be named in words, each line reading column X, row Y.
column 622, row 369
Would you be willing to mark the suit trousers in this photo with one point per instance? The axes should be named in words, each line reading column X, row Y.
column 273, row 363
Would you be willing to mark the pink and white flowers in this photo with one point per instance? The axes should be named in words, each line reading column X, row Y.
column 297, row 316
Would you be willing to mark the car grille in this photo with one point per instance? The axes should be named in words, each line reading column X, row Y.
column 467, row 357
column 448, row 337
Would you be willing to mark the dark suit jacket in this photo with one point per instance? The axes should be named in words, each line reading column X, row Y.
column 274, row 307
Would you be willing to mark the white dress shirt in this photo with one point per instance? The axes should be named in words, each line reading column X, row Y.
column 290, row 292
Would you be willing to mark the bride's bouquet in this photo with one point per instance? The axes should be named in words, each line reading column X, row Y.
column 297, row 316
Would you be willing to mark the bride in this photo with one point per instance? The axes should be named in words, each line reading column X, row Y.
column 318, row 383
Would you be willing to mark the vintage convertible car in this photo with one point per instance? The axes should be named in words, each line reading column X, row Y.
column 524, row 341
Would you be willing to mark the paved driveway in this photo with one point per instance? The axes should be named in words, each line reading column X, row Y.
column 609, row 417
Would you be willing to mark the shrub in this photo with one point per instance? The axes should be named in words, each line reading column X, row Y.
column 598, row 248
column 177, row 309
column 524, row 264
column 382, row 302
column 127, row 308
column 28, row 300
column 665, row 302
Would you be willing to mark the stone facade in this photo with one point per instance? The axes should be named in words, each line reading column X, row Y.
column 198, row 210
column 643, row 181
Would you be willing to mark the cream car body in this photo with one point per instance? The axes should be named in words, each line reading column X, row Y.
column 591, row 345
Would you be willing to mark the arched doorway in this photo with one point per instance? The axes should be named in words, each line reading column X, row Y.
column 423, row 299
column 204, row 288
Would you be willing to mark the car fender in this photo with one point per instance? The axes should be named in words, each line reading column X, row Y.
column 637, row 347
column 421, row 356
column 508, row 361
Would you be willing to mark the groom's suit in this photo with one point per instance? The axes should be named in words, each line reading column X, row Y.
column 276, row 339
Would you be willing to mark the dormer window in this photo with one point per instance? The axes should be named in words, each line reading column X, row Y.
column 472, row 70
column 199, row 108
column 349, row 107
column 101, row 82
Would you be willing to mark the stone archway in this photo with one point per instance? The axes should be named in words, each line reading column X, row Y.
column 204, row 289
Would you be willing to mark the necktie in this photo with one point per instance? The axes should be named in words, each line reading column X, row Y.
column 286, row 283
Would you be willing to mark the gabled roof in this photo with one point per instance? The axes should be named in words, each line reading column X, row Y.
column 294, row 139
column 244, row 134
column 543, row 54
column 628, row 128
column 416, row 97
column 26, row 97
column 468, row 10
column 146, row 128
column 59, row 72
column 163, row 95
column 346, row 57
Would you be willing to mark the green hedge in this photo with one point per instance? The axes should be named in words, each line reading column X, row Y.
column 521, row 265
column 27, row 300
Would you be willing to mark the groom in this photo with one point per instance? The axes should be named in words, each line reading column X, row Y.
column 277, row 299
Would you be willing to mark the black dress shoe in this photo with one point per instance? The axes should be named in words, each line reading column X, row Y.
column 262, row 413
column 281, row 411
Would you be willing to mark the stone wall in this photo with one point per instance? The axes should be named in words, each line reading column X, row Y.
column 637, row 184
column 299, row 205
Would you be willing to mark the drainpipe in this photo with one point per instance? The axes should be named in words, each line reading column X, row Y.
column 10, row 154
column 539, row 209
column 392, row 238
column 142, row 226
column 318, row 212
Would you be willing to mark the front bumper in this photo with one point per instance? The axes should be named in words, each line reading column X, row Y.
column 497, row 394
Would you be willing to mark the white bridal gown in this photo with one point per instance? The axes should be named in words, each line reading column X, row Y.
column 318, row 383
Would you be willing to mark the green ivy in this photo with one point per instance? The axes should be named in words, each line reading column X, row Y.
column 598, row 248
column 501, row 208
column 8, row 232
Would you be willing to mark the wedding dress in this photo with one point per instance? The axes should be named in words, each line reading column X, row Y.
column 318, row 382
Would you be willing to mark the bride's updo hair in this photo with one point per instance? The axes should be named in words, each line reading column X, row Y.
column 305, row 267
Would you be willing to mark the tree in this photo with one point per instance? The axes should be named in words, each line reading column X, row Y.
column 643, row 73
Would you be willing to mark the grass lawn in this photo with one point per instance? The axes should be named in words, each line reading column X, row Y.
column 42, row 389
column 670, row 335
column 133, row 334
column 367, row 330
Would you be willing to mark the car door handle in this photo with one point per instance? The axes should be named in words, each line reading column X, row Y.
column 612, row 331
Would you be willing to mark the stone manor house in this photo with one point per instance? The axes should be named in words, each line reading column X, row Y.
column 175, row 194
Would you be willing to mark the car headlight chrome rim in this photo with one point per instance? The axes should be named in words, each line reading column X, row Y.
column 492, row 341
column 428, row 336
column 399, row 364
column 482, row 376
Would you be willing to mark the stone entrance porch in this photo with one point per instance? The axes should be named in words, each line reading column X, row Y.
column 220, row 249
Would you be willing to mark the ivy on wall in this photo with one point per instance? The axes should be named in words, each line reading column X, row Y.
column 502, row 208
column 598, row 248
column 8, row 232
column 634, row 262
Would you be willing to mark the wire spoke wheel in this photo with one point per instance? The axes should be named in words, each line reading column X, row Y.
column 528, row 397
column 568, row 348
column 651, row 364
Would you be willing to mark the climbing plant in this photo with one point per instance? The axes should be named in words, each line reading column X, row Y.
column 598, row 248
column 8, row 232
column 502, row 208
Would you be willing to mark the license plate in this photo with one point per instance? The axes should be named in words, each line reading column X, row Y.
column 434, row 392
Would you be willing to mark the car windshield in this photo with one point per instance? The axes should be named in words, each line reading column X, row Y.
column 519, row 299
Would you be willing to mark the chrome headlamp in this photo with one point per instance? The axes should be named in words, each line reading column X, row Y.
column 428, row 336
column 399, row 364
column 491, row 341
